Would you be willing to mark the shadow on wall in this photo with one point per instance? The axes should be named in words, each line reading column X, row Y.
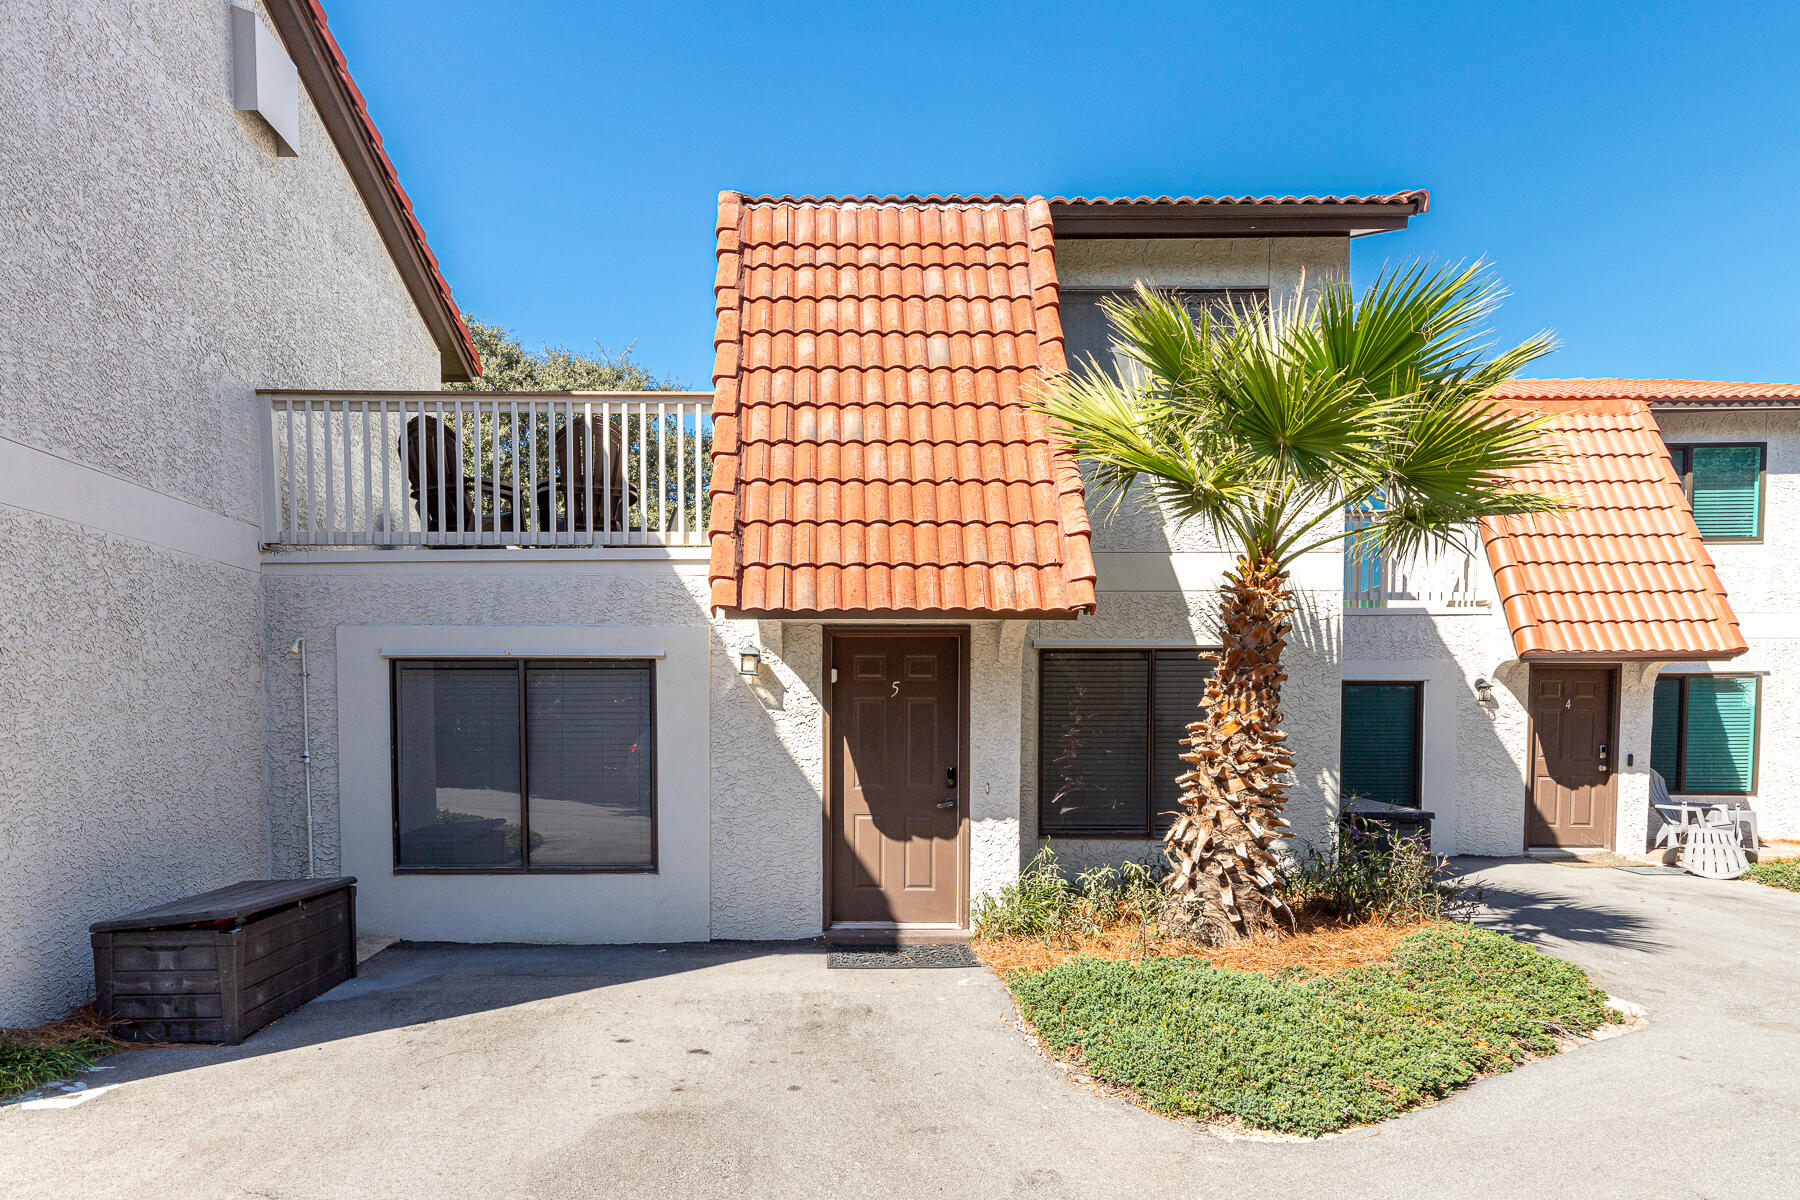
column 767, row 748
column 1161, row 612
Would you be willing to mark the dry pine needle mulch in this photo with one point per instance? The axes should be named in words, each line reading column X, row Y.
column 1320, row 947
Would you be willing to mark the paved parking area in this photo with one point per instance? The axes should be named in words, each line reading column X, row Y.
column 753, row 1071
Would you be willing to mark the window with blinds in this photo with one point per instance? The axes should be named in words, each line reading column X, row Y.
column 524, row 766
column 1724, row 486
column 1110, row 725
column 1381, row 741
column 1703, row 733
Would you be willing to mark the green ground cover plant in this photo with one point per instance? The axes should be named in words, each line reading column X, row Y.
column 1308, row 1054
column 26, row 1063
column 1776, row 872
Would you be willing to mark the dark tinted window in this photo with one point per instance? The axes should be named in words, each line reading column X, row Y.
column 1380, row 738
column 1109, row 745
column 520, row 766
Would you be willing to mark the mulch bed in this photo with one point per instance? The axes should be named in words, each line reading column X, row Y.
column 1322, row 946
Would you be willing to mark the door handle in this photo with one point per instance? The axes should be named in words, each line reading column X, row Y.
column 949, row 803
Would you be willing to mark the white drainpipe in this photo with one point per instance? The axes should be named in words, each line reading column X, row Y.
column 299, row 648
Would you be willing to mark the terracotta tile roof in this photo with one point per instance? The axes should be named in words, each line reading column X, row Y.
column 1697, row 393
column 1621, row 572
column 309, row 15
column 873, row 446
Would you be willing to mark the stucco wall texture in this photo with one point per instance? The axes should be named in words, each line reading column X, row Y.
column 158, row 263
column 1758, row 577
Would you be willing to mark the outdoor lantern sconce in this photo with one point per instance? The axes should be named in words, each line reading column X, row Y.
column 749, row 663
column 1484, row 692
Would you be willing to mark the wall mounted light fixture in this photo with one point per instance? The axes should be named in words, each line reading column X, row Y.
column 1484, row 691
column 749, row 663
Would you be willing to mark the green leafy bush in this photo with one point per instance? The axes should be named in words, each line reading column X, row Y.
column 1371, row 878
column 1310, row 1055
column 1776, row 872
column 1043, row 902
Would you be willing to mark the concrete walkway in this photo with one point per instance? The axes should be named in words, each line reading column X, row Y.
column 750, row 1072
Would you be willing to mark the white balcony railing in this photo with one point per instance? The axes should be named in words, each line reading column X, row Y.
column 389, row 469
column 1371, row 580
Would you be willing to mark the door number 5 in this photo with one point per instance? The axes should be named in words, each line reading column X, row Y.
column 896, row 690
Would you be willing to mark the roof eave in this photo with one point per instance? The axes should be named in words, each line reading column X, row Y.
column 300, row 24
column 1228, row 220
column 1613, row 656
column 1750, row 403
column 901, row 614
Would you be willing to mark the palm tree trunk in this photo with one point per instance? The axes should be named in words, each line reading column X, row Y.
column 1221, row 847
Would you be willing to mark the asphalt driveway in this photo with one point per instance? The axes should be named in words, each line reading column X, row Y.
column 753, row 1071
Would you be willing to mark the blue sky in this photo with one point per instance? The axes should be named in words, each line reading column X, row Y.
column 1631, row 170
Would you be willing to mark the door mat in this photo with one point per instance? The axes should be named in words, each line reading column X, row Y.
column 902, row 958
column 1654, row 870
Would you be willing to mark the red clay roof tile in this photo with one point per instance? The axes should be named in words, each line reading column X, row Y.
column 402, row 202
column 1652, row 391
column 874, row 449
column 1621, row 571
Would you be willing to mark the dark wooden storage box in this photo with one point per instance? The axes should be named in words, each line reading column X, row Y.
column 219, row 966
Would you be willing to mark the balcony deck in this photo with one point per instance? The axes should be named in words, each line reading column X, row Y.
column 533, row 470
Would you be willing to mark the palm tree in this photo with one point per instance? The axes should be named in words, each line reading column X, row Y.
column 1268, row 425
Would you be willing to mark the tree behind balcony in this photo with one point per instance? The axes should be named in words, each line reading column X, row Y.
column 507, row 366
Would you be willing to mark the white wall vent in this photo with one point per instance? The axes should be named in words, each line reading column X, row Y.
column 263, row 79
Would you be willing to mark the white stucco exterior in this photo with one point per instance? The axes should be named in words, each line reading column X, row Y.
column 158, row 262
column 1758, row 578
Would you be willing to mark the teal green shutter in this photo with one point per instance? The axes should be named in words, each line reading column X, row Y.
column 1728, row 490
column 1721, row 735
column 1665, row 731
column 1381, row 742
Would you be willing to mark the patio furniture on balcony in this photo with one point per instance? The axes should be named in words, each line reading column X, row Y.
column 587, row 479
column 447, row 499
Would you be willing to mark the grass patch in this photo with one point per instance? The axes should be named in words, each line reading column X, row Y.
column 30, row 1058
column 1309, row 1053
column 1777, row 873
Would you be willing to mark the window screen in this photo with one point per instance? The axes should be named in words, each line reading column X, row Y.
column 1109, row 738
column 1724, row 487
column 1703, row 733
column 524, row 766
column 1380, row 739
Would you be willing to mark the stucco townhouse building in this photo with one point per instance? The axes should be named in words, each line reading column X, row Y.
column 834, row 646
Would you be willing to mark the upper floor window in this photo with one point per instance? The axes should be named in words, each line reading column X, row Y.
column 1724, row 485
column 1087, row 333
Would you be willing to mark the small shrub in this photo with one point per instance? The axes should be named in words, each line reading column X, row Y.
column 1777, row 873
column 1307, row 1056
column 26, row 1063
column 1044, row 902
column 1369, row 878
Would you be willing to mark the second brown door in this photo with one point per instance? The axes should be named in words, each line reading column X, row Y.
column 1571, row 757
column 896, row 754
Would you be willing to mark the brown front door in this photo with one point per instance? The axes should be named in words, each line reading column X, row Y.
column 896, row 771
column 1571, row 757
